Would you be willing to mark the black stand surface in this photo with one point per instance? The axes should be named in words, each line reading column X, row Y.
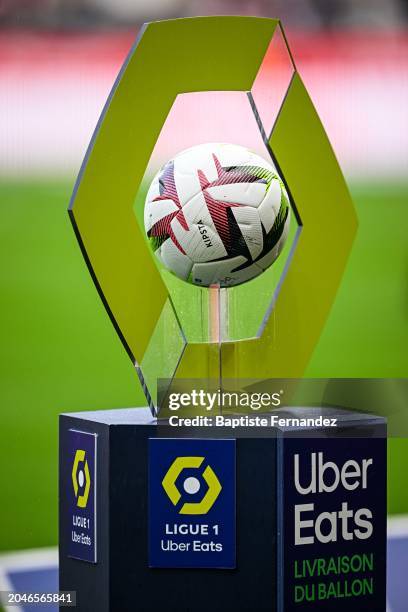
column 298, row 522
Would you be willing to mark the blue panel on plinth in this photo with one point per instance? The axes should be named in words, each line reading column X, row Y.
column 332, row 521
column 81, row 517
column 191, row 503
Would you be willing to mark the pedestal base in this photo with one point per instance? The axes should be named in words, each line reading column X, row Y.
column 309, row 505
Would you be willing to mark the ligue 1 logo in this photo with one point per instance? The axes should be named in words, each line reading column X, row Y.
column 81, row 479
column 191, row 485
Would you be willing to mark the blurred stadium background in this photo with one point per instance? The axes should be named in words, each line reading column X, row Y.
column 59, row 352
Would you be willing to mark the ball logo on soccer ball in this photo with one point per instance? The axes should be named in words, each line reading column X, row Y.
column 217, row 214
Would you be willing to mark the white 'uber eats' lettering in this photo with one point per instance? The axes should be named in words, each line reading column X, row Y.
column 326, row 477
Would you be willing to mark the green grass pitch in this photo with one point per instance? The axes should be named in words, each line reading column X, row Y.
column 59, row 351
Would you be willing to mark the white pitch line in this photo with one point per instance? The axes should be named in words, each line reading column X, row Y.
column 36, row 558
column 397, row 526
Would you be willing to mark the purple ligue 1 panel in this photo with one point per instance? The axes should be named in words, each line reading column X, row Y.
column 81, row 523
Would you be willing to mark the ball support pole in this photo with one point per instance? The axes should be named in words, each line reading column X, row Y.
column 214, row 314
column 123, row 524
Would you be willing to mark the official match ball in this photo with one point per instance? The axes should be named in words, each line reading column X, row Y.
column 217, row 214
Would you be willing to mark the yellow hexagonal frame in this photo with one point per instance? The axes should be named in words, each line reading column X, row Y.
column 101, row 208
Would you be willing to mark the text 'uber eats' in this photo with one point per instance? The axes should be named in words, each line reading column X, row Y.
column 326, row 477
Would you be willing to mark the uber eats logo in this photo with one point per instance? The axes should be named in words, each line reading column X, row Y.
column 184, row 478
column 81, row 478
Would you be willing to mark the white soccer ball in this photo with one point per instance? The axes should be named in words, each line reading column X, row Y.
column 217, row 214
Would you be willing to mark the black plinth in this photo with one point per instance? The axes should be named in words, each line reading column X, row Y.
column 272, row 572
